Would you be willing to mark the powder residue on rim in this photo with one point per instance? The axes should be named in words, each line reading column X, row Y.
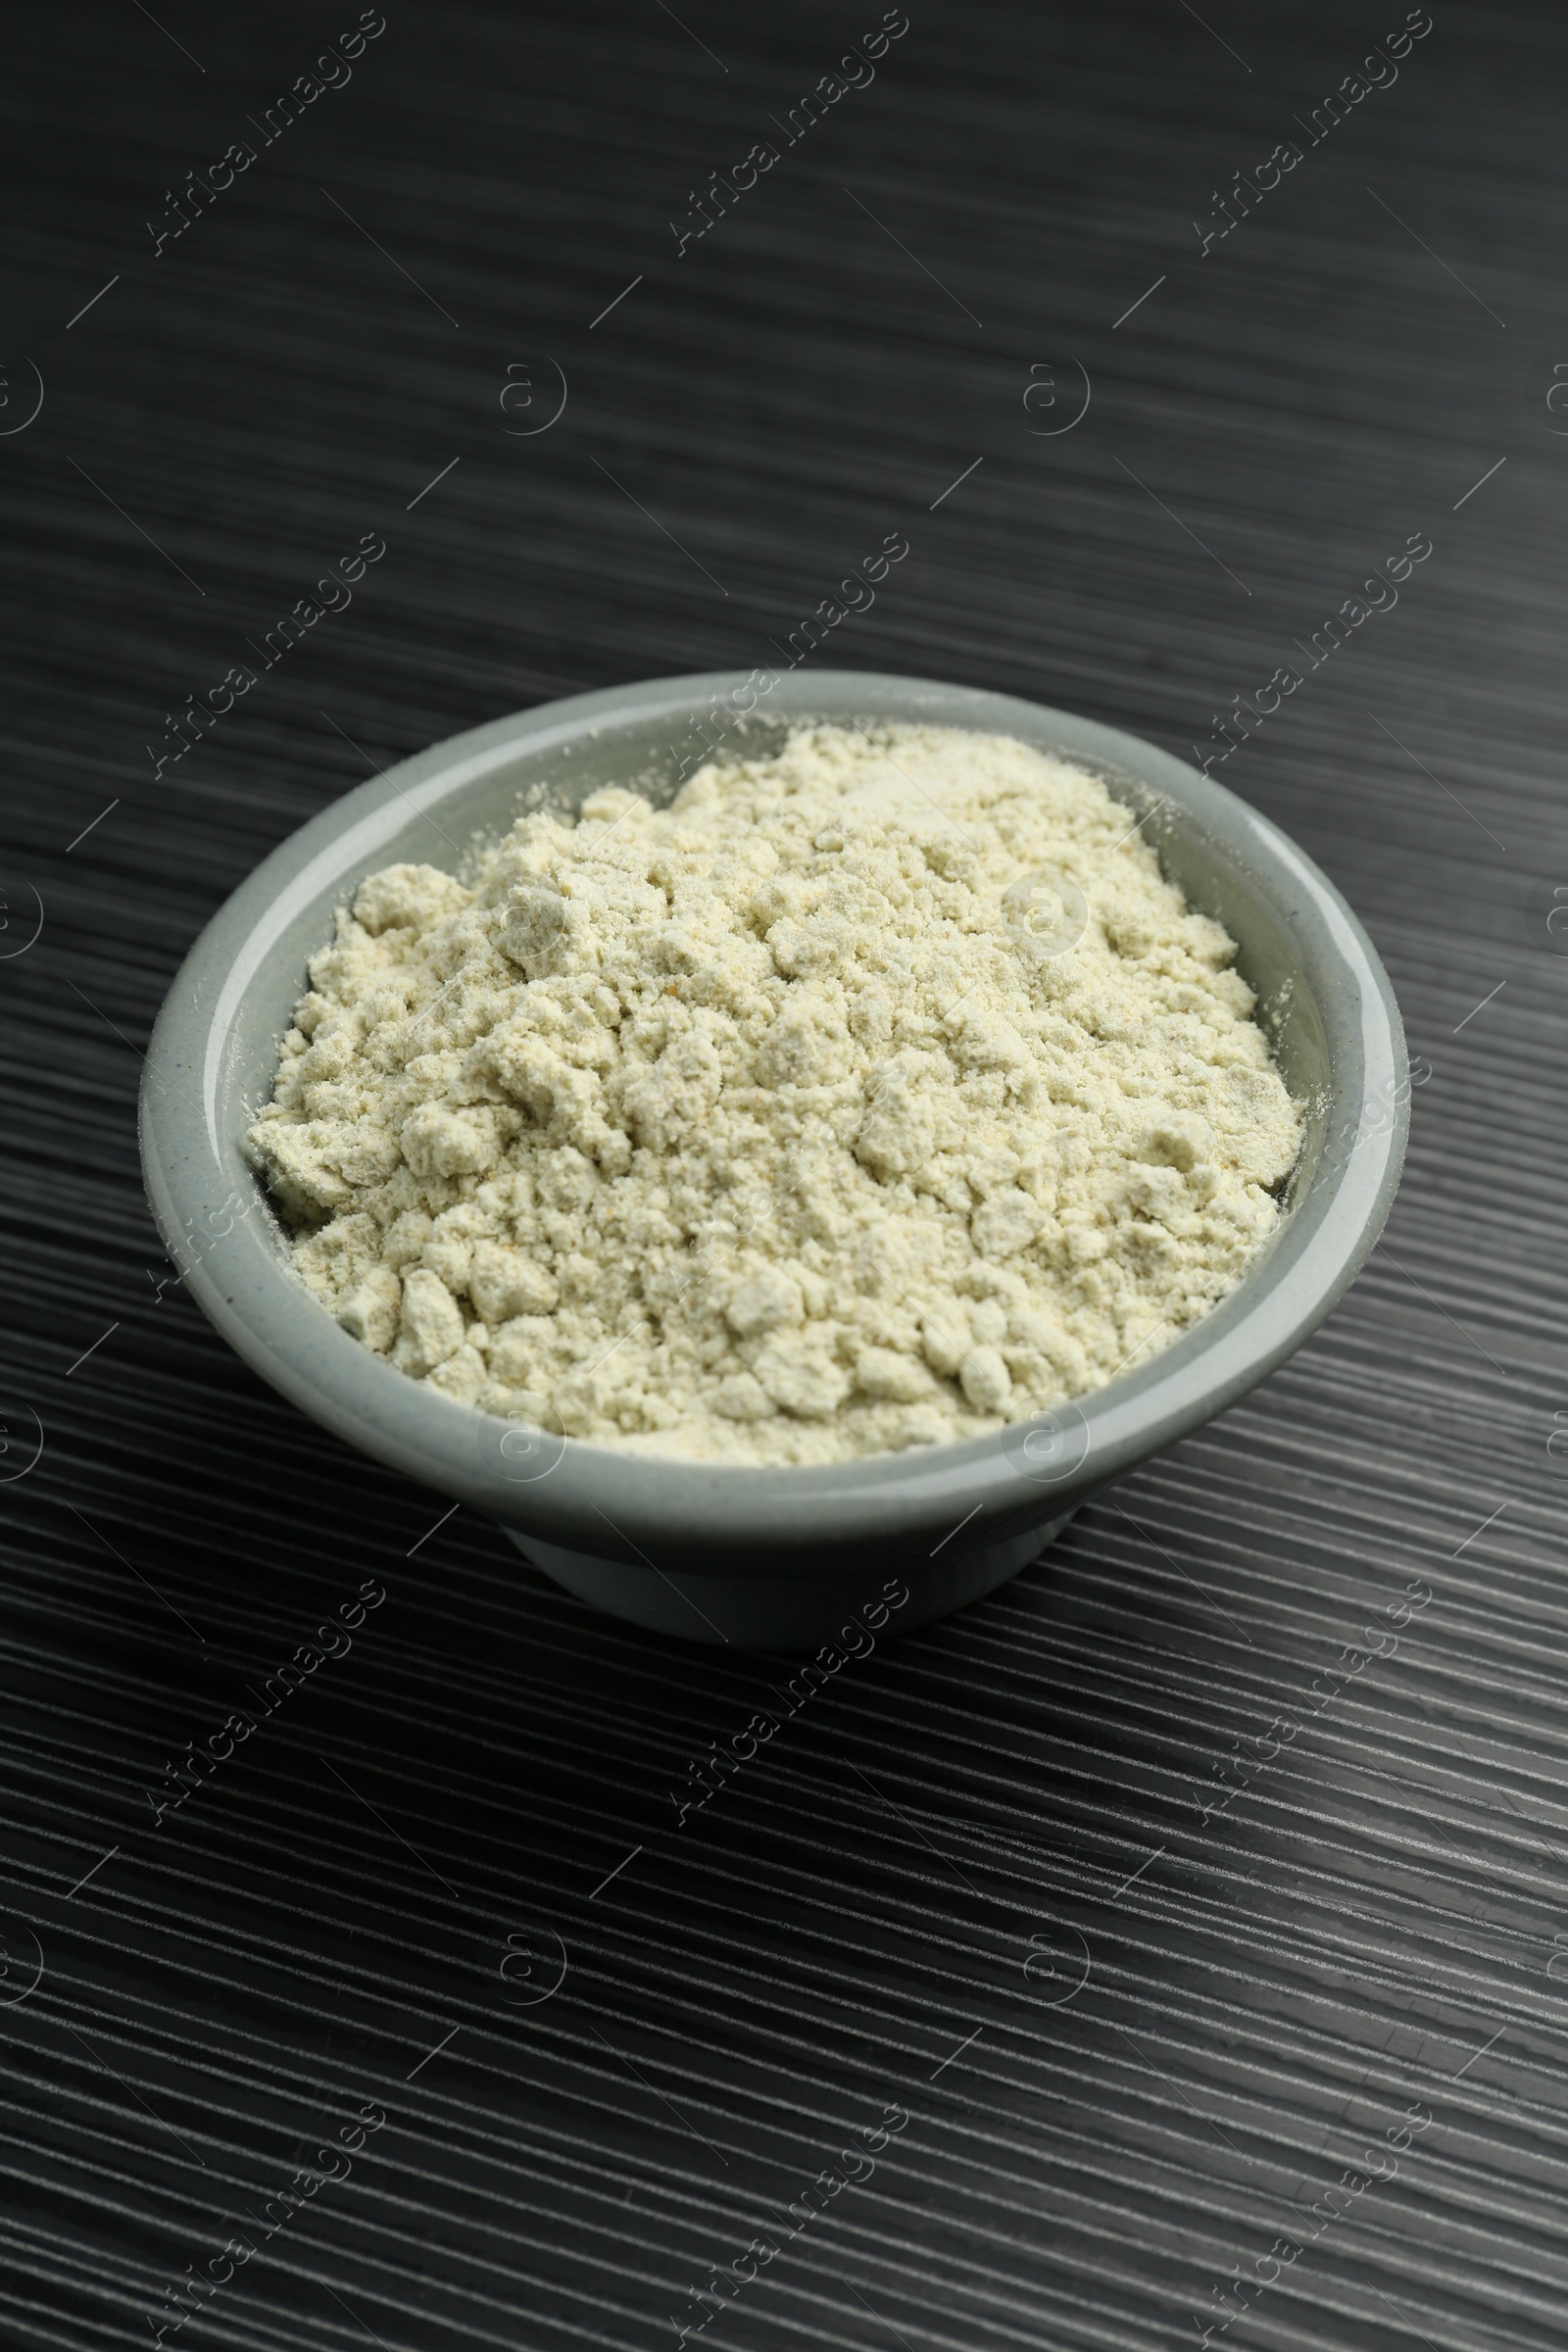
column 877, row 1093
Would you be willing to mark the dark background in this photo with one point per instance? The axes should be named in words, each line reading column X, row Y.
column 1180, row 2032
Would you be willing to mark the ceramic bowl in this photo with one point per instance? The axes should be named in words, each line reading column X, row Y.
column 765, row 1558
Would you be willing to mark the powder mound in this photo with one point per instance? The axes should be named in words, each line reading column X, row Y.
column 876, row 1093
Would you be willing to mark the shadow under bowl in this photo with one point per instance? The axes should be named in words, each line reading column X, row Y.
column 765, row 1558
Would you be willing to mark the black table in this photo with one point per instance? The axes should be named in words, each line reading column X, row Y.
column 1184, row 1957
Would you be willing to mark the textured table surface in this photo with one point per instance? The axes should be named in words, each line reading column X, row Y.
column 1201, row 1900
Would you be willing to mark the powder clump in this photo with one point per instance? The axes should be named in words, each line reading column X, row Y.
column 879, row 1092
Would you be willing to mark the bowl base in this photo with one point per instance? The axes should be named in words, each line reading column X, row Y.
column 786, row 1612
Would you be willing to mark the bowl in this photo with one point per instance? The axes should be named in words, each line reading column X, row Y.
column 767, row 1558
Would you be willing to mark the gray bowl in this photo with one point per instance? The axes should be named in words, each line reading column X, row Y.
column 765, row 1558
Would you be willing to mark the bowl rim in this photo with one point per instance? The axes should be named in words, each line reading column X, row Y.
column 595, row 1497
